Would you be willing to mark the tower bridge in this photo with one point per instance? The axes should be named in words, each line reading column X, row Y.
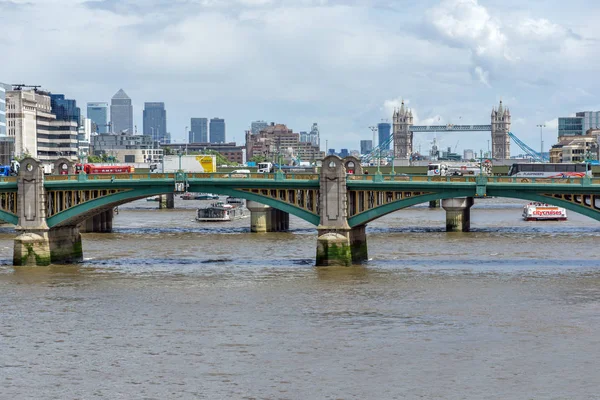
column 49, row 210
column 403, row 130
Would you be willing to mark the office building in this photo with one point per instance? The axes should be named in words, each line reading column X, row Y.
column 570, row 126
column 366, row 146
column 121, row 113
column 344, row 153
column 590, row 119
column 3, row 89
column 217, row 130
column 127, row 148
column 98, row 113
column 257, row 126
column 35, row 129
column 65, row 109
column 155, row 121
column 199, row 130
column 277, row 140
column 7, row 149
column 383, row 130
column 579, row 124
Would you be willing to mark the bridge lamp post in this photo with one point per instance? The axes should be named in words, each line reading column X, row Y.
column 179, row 154
column 541, row 126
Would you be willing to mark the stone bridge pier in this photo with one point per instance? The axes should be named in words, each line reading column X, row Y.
column 458, row 214
column 265, row 218
column 337, row 243
column 36, row 243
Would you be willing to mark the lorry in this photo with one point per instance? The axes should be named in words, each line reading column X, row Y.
column 446, row 168
column 189, row 163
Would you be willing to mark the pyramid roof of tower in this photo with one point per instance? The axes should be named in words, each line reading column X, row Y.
column 121, row 95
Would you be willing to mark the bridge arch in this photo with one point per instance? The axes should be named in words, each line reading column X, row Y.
column 81, row 212
column 378, row 212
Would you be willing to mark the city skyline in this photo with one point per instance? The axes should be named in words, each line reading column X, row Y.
column 491, row 50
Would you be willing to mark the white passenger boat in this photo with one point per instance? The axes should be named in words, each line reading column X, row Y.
column 541, row 211
column 220, row 211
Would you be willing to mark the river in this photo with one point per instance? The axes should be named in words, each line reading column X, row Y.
column 168, row 308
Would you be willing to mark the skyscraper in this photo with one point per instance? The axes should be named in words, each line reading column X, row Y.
column 217, row 130
column 199, row 130
column 121, row 113
column 155, row 121
column 257, row 126
column 384, row 128
column 65, row 109
column 98, row 113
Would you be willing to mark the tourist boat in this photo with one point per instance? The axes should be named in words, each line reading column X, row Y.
column 220, row 211
column 188, row 196
column 153, row 198
column 199, row 196
column 206, row 196
column 235, row 200
column 542, row 212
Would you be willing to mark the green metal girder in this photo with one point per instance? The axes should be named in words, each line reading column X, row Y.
column 378, row 212
column 9, row 217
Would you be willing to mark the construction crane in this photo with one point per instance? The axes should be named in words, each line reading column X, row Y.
column 455, row 147
column 20, row 86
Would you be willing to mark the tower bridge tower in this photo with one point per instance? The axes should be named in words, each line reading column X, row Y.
column 500, row 129
column 403, row 135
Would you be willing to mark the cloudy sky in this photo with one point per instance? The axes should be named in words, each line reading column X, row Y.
column 342, row 64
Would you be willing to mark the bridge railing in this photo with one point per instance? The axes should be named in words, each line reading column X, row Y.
column 469, row 178
column 145, row 176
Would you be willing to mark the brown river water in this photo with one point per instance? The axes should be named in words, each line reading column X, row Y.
column 169, row 308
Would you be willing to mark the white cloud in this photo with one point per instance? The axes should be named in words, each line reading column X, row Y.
column 297, row 62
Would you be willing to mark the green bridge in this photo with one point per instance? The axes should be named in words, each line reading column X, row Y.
column 49, row 211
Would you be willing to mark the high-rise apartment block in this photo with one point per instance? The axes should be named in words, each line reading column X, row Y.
column 312, row 137
column 217, row 130
column 366, row 146
column 155, row 121
column 121, row 113
column 199, row 130
column 98, row 113
column 257, row 126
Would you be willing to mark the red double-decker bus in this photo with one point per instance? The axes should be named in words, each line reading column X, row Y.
column 103, row 169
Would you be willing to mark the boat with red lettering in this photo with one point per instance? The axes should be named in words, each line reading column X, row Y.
column 536, row 211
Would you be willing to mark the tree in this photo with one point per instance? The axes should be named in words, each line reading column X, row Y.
column 258, row 158
column 167, row 151
column 94, row 159
column 220, row 158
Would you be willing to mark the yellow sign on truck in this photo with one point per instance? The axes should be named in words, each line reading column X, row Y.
column 190, row 163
